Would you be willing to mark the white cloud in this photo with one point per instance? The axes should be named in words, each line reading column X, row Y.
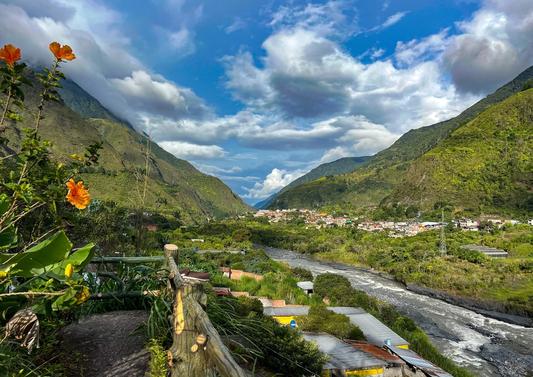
column 237, row 24
column 495, row 44
column 182, row 41
column 490, row 49
column 390, row 21
column 160, row 97
column 191, row 151
column 307, row 76
column 334, row 18
column 274, row 181
column 416, row 51
column 393, row 19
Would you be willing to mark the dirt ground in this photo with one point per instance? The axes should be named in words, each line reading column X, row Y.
column 106, row 345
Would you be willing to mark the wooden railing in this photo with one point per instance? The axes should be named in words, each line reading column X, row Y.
column 197, row 349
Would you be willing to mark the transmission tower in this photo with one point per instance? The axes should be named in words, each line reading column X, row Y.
column 442, row 244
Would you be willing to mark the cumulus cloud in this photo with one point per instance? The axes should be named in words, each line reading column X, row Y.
column 189, row 151
column 308, row 76
column 159, row 96
column 275, row 181
column 415, row 51
column 494, row 45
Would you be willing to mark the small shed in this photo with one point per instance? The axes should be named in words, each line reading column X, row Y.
column 306, row 286
column 488, row 251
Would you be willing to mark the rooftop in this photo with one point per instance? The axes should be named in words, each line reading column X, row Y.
column 305, row 285
column 342, row 355
column 375, row 331
column 376, row 351
column 490, row 251
column 286, row 311
column 414, row 359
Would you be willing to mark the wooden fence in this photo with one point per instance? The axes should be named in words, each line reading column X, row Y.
column 197, row 349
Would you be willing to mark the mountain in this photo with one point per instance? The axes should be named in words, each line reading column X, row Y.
column 340, row 166
column 485, row 164
column 378, row 177
column 173, row 184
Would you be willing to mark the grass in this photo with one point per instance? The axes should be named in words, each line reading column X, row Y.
column 158, row 359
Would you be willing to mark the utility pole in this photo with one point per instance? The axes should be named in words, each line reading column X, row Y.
column 442, row 244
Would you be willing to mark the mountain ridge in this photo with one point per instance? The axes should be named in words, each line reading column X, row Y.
column 370, row 183
column 340, row 166
column 174, row 184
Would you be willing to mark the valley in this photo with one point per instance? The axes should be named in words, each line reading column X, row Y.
column 293, row 188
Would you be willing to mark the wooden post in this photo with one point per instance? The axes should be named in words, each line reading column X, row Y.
column 197, row 347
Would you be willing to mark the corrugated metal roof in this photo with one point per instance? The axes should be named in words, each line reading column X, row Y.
column 342, row 355
column 376, row 351
column 414, row 359
column 346, row 310
column 305, row 285
column 286, row 311
column 375, row 331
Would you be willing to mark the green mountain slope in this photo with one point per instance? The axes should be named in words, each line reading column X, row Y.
column 174, row 184
column 340, row 166
column 484, row 165
column 374, row 180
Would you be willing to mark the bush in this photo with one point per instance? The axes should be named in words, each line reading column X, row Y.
column 278, row 348
column 302, row 274
column 320, row 319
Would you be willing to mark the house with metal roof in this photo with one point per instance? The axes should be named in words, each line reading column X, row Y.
column 345, row 360
column 416, row 362
column 374, row 330
column 287, row 314
column 488, row 251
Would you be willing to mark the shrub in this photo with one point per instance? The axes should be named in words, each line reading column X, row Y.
column 320, row 319
column 302, row 274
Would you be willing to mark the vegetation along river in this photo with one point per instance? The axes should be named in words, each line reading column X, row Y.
column 486, row 346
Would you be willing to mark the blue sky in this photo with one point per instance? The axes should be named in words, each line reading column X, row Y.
column 259, row 92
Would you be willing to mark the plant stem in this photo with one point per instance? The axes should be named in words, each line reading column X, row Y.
column 32, row 293
column 43, row 95
column 6, row 108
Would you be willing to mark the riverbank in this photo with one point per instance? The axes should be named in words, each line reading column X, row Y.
column 487, row 308
column 500, row 285
column 488, row 347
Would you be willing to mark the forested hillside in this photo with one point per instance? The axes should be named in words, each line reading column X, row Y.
column 376, row 179
column 485, row 164
column 173, row 185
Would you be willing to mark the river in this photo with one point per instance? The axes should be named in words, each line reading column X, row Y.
column 486, row 346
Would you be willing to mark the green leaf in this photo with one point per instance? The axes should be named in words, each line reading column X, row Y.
column 65, row 301
column 78, row 259
column 8, row 238
column 81, row 257
column 39, row 258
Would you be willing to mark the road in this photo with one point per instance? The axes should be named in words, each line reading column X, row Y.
column 486, row 346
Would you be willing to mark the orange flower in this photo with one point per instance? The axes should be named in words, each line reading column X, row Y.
column 10, row 54
column 77, row 194
column 61, row 52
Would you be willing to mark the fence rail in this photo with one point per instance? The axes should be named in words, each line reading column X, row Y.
column 197, row 349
